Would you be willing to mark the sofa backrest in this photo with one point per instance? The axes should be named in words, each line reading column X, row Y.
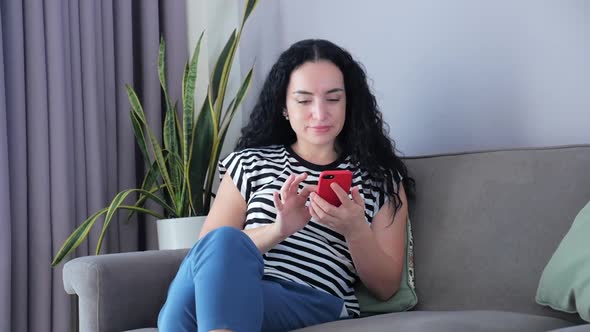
column 486, row 223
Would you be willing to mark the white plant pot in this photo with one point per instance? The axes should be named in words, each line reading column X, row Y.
column 179, row 233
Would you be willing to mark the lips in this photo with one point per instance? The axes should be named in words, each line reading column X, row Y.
column 320, row 129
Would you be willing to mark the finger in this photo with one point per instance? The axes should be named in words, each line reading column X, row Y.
column 285, row 187
column 307, row 214
column 294, row 187
column 287, row 183
column 312, row 187
column 306, row 191
column 323, row 216
column 340, row 193
column 356, row 196
column 278, row 204
column 313, row 213
column 322, row 207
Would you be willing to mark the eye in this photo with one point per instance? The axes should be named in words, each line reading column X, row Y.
column 333, row 100
column 304, row 102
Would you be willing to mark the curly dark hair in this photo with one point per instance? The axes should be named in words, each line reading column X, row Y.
column 364, row 137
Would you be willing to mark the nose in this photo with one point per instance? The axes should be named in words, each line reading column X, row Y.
column 319, row 110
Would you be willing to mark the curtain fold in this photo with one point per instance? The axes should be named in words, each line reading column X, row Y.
column 5, row 202
column 66, row 142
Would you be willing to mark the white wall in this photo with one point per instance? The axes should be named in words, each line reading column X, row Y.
column 218, row 18
column 451, row 75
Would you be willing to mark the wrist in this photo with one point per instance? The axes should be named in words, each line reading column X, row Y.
column 359, row 233
column 276, row 232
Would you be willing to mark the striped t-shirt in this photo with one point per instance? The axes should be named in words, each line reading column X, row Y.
column 316, row 255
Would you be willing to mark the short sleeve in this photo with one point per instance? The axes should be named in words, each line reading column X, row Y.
column 382, row 196
column 233, row 164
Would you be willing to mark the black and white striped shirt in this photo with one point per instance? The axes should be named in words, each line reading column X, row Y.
column 316, row 255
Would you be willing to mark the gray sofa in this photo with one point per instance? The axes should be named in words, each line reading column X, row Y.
column 485, row 224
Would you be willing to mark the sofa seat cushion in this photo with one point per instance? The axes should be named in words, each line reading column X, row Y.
column 451, row 321
column 577, row 328
column 426, row 321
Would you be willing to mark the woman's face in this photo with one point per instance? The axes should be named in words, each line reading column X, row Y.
column 316, row 102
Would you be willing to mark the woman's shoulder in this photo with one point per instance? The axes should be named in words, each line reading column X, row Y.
column 379, row 177
column 262, row 149
column 257, row 154
column 261, row 152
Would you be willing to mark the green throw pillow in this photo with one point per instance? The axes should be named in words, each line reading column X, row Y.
column 565, row 282
column 405, row 298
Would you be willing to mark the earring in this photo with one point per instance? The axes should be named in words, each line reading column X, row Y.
column 285, row 114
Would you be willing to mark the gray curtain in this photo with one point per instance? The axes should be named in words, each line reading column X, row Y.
column 66, row 143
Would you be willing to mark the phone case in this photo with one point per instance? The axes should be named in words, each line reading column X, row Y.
column 342, row 177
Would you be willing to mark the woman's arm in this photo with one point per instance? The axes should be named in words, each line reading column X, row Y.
column 229, row 209
column 378, row 250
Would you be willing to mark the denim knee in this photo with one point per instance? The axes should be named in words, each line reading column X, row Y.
column 223, row 237
column 225, row 232
column 225, row 242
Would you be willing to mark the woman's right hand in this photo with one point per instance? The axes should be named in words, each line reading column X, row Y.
column 292, row 214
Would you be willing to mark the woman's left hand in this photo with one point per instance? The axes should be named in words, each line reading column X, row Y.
column 345, row 219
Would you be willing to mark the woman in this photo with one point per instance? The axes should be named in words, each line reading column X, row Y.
column 273, row 255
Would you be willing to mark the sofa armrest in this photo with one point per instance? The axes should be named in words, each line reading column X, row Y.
column 118, row 292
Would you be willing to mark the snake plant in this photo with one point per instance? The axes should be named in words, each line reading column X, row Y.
column 180, row 173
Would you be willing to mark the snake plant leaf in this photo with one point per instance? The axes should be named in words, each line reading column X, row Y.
column 239, row 98
column 220, row 74
column 135, row 103
column 162, row 72
column 228, row 111
column 149, row 180
column 189, row 80
column 156, row 149
column 169, row 131
column 162, row 63
column 250, row 5
column 180, row 126
column 136, row 209
column 177, row 164
column 76, row 238
column 171, row 145
column 184, row 193
column 225, row 62
column 139, row 136
column 170, row 137
column 158, row 154
column 118, row 201
column 236, row 102
column 203, row 140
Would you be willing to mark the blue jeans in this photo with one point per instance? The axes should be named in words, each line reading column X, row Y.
column 221, row 285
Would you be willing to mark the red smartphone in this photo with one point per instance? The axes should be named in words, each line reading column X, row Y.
column 342, row 177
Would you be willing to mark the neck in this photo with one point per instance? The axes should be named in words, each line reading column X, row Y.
column 315, row 154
